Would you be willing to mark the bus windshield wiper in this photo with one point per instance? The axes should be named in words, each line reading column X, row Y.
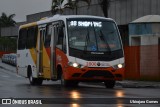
column 86, row 41
column 105, row 41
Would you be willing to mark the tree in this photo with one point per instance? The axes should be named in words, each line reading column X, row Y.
column 61, row 4
column 105, row 6
column 73, row 4
column 6, row 21
column 56, row 5
column 8, row 44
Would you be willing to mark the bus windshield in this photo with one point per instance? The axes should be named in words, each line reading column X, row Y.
column 93, row 35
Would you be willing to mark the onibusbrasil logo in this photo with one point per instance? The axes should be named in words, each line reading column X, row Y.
column 21, row 101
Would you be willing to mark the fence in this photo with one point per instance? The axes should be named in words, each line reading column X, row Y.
column 1, row 53
column 132, row 62
column 142, row 62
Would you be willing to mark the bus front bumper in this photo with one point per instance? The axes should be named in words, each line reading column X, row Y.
column 93, row 74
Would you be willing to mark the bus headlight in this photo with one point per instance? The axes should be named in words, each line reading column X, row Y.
column 118, row 66
column 75, row 65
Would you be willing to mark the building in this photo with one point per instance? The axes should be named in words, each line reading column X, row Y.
column 122, row 11
column 144, row 36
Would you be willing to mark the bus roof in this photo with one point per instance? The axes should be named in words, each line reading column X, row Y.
column 60, row 17
column 64, row 17
column 28, row 25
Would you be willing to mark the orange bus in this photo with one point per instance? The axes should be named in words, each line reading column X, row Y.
column 71, row 48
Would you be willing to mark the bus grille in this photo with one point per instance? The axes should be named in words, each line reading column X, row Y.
column 97, row 58
column 98, row 73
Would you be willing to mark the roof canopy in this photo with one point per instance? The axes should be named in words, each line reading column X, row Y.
column 148, row 19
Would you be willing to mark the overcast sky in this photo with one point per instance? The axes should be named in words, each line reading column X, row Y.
column 23, row 7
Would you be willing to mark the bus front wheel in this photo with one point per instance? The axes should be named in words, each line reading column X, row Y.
column 110, row 83
column 64, row 82
column 68, row 83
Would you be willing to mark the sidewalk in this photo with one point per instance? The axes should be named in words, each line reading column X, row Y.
column 138, row 84
column 7, row 67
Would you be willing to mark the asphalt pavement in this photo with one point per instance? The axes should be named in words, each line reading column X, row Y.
column 124, row 83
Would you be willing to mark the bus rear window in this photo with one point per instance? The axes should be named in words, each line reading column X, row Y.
column 22, row 39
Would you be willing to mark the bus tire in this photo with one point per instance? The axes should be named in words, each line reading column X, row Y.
column 60, row 75
column 64, row 82
column 110, row 84
column 74, row 83
column 39, row 81
column 68, row 83
column 32, row 80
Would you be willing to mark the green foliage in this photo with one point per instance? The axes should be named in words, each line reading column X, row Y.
column 8, row 44
column 7, row 21
column 55, row 5
column 72, row 4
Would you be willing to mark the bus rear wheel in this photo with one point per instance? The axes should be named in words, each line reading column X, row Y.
column 39, row 81
column 110, row 83
column 34, row 81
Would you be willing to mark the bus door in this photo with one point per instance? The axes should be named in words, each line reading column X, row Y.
column 44, row 55
column 40, row 51
column 53, row 49
column 43, row 60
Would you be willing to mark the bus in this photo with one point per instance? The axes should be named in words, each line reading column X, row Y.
column 72, row 49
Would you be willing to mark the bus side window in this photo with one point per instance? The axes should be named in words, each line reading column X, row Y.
column 48, row 36
column 64, row 41
column 31, row 37
column 22, row 39
column 35, row 36
column 60, row 37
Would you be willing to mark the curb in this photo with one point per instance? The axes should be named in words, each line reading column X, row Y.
column 138, row 84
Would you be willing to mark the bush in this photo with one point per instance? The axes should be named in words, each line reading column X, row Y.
column 8, row 44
